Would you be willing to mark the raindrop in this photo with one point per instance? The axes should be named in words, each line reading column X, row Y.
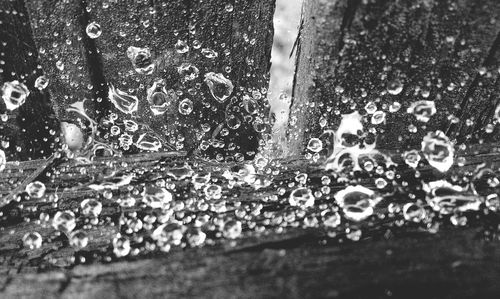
column 156, row 197
column 411, row 158
column 32, row 240
column 395, row 87
column 357, row 202
column 378, row 117
column 423, row 110
column 315, row 145
column 93, row 30
column 232, row 229
column 14, row 94
column 64, row 221
column 186, row 107
column 188, row 71
column 41, row 82
column 301, row 197
column 181, row 47
column 79, row 239
column 35, row 189
column 220, row 87
column 91, row 207
column 123, row 101
column 141, row 60
column 148, row 142
column 159, row 98
column 121, row 246
column 438, row 150
column 209, row 53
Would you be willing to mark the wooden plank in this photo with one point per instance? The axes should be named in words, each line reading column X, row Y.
column 257, row 264
column 68, row 56
column 238, row 32
column 355, row 52
column 30, row 131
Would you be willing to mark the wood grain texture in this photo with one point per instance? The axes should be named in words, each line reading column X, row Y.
column 29, row 132
column 443, row 51
column 242, row 37
column 390, row 260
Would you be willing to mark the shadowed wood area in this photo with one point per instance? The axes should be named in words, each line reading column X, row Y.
column 355, row 52
column 402, row 261
column 30, row 131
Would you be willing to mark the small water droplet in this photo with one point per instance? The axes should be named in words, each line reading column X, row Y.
column 93, row 30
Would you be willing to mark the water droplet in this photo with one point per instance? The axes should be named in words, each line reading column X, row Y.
column 32, row 240
column 121, row 246
column 232, row 229
column 93, row 30
column 411, row 158
column 446, row 198
column 331, row 219
column 438, row 150
column 301, row 197
column 378, row 117
column 394, row 107
column 186, row 107
column 156, row 197
column 91, row 207
column 413, row 212
column 181, row 47
column 395, row 87
column 209, row 53
column 315, row 145
column 188, row 71
column 159, row 98
column 357, row 202
column 168, row 234
column 141, row 60
column 423, row 110
column 220, row 87
column 14, row 94
column 123, row 101
column 36, row 189
column 41, row 82
column 79, row 239
column 64, row 221
column 148, row 142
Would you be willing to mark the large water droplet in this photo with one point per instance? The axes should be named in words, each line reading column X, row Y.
column 141, row 60
column 14, row 94
column 301, row 197
column 123, row 101
column 438, row 150
column 41, row 82
column 36, row 189
column 32, row 240
column 423, row 110
column 64, row 221
column 93, row 30
column 220, row 87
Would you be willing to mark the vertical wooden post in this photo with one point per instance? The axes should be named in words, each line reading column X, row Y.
column 354, row 52
column 32, row 130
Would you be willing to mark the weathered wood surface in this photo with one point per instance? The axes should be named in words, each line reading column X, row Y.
column 351, row 51
column 389, row 260
column 84, row 68
column 29, row 132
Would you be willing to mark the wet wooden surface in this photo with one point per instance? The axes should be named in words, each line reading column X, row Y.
column 442, row 51
column 241, row 37
column 389, row 261
column 31, row 130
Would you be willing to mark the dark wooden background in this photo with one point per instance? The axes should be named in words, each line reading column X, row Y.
column 353, row 44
